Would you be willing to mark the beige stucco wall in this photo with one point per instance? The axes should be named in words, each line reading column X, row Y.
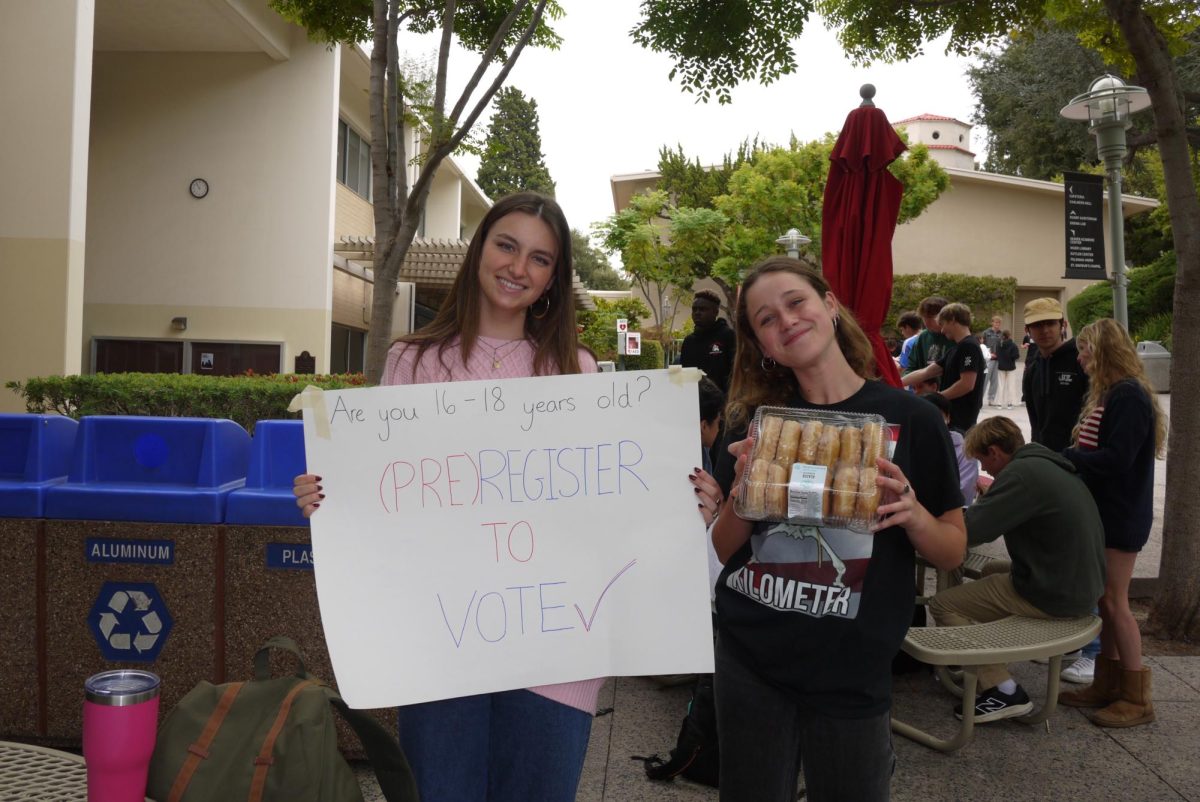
column 991, row 229
column 263, row 134
column 43, row 164
column 354, row 216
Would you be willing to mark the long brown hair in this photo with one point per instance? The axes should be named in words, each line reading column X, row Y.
column 1114, row 359
column 752, row 385
column 554, row 337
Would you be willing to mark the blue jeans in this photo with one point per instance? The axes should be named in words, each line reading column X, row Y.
column 512, row 746
column 766, row 738
column 1092, row 650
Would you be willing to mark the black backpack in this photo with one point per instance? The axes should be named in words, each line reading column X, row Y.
column 695, row 756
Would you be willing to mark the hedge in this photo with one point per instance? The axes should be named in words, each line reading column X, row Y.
column 1149, row 294
column 244, row 399
column 651, row 357
column 985, row 295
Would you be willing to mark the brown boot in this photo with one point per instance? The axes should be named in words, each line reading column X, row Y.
column 1104, row 690
column 1134, row 707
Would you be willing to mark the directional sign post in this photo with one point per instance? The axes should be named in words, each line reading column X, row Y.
column 1084, row 196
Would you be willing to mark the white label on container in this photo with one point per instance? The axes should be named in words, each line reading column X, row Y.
column 806, row 491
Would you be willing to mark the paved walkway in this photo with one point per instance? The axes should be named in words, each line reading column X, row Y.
column 1064, row 759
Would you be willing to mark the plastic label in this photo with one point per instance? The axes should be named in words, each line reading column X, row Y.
column 806, row 491
column 296, row 556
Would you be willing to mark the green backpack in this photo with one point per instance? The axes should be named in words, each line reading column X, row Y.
column 269, row 740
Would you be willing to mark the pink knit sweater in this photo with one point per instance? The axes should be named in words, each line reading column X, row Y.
column 515, row 360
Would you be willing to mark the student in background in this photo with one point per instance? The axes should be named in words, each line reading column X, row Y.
column 968, row 467
column 1007, row 357
column 1121, row 431
column 910, row 326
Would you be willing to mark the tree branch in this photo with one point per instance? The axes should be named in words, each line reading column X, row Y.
column 439, row 91
column 466, row 125
column 385, row 211
column 395, row 142
column 488, row 56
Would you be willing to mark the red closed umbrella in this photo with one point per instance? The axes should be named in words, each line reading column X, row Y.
column 858, row 218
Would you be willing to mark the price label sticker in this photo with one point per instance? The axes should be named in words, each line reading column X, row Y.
column 806, row 491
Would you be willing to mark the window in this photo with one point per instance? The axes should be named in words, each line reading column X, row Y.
column 353, row 160
column 347, row 349
column 140, row 356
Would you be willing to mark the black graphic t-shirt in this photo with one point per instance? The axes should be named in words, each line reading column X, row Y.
column 820, row 612
column 964, row 357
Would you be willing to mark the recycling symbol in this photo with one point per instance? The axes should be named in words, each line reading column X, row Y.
column 130, row 621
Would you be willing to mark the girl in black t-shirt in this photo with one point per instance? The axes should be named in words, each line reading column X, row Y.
column 804, row 652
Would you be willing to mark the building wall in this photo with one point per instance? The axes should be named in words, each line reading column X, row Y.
column 249, row 262
column 991, row 229
column 442, row 218
column 355, row 216
column 43, row 165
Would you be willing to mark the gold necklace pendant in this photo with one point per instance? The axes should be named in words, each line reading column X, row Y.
column 498, row 358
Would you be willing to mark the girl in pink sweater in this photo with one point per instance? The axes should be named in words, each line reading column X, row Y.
column 509, row 314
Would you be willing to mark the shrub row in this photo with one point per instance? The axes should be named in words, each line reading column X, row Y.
column 244, row 399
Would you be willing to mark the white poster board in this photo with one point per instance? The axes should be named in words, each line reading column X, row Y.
column 486, row 536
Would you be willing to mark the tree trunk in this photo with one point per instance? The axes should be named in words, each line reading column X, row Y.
column 383, row 298
column 1176, row 611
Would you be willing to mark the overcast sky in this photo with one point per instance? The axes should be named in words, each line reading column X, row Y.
column 606, row 105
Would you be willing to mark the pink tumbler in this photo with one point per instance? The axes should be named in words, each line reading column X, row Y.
column 120, row 719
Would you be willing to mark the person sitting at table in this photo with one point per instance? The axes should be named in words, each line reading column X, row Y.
column 1055, row 538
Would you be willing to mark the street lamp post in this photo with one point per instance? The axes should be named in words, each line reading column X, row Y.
column 1107, row 107
column 793, row 241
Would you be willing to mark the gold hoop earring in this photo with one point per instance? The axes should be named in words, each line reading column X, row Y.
column 768, row 368
column 546, row 311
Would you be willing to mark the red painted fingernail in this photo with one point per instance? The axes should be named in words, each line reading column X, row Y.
column 696, row 489
column 316, row 505
column 318, row 478
column 322, row 495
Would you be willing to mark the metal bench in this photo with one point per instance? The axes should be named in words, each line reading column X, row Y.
column 1004, row 641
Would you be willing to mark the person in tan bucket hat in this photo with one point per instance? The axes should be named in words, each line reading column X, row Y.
column 1054, row 385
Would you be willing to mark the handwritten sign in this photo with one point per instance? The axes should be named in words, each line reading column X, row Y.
column 485, row 536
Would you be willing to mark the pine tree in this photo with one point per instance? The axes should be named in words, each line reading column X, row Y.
column 512, row 157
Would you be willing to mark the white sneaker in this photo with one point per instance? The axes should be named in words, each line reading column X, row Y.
column 1080, row 672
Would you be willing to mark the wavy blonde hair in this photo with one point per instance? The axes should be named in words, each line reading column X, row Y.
column 1114, row 359
column 751, row 384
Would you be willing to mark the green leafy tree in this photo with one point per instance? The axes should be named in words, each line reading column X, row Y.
column 691, row 184
column 592, row 265
column 1019, row 89
column 784, row 188
column 1139, row 37
column 497, row 32
column 662, row 247
column 600, row 325
column 512, row 156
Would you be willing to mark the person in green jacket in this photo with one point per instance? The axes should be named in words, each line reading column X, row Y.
column 1054, row 536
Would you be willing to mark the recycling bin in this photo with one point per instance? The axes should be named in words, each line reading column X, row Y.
column 1157, row 361
column 134, row 558
column 128, row 595
column 268, row 559
column 35, row 452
